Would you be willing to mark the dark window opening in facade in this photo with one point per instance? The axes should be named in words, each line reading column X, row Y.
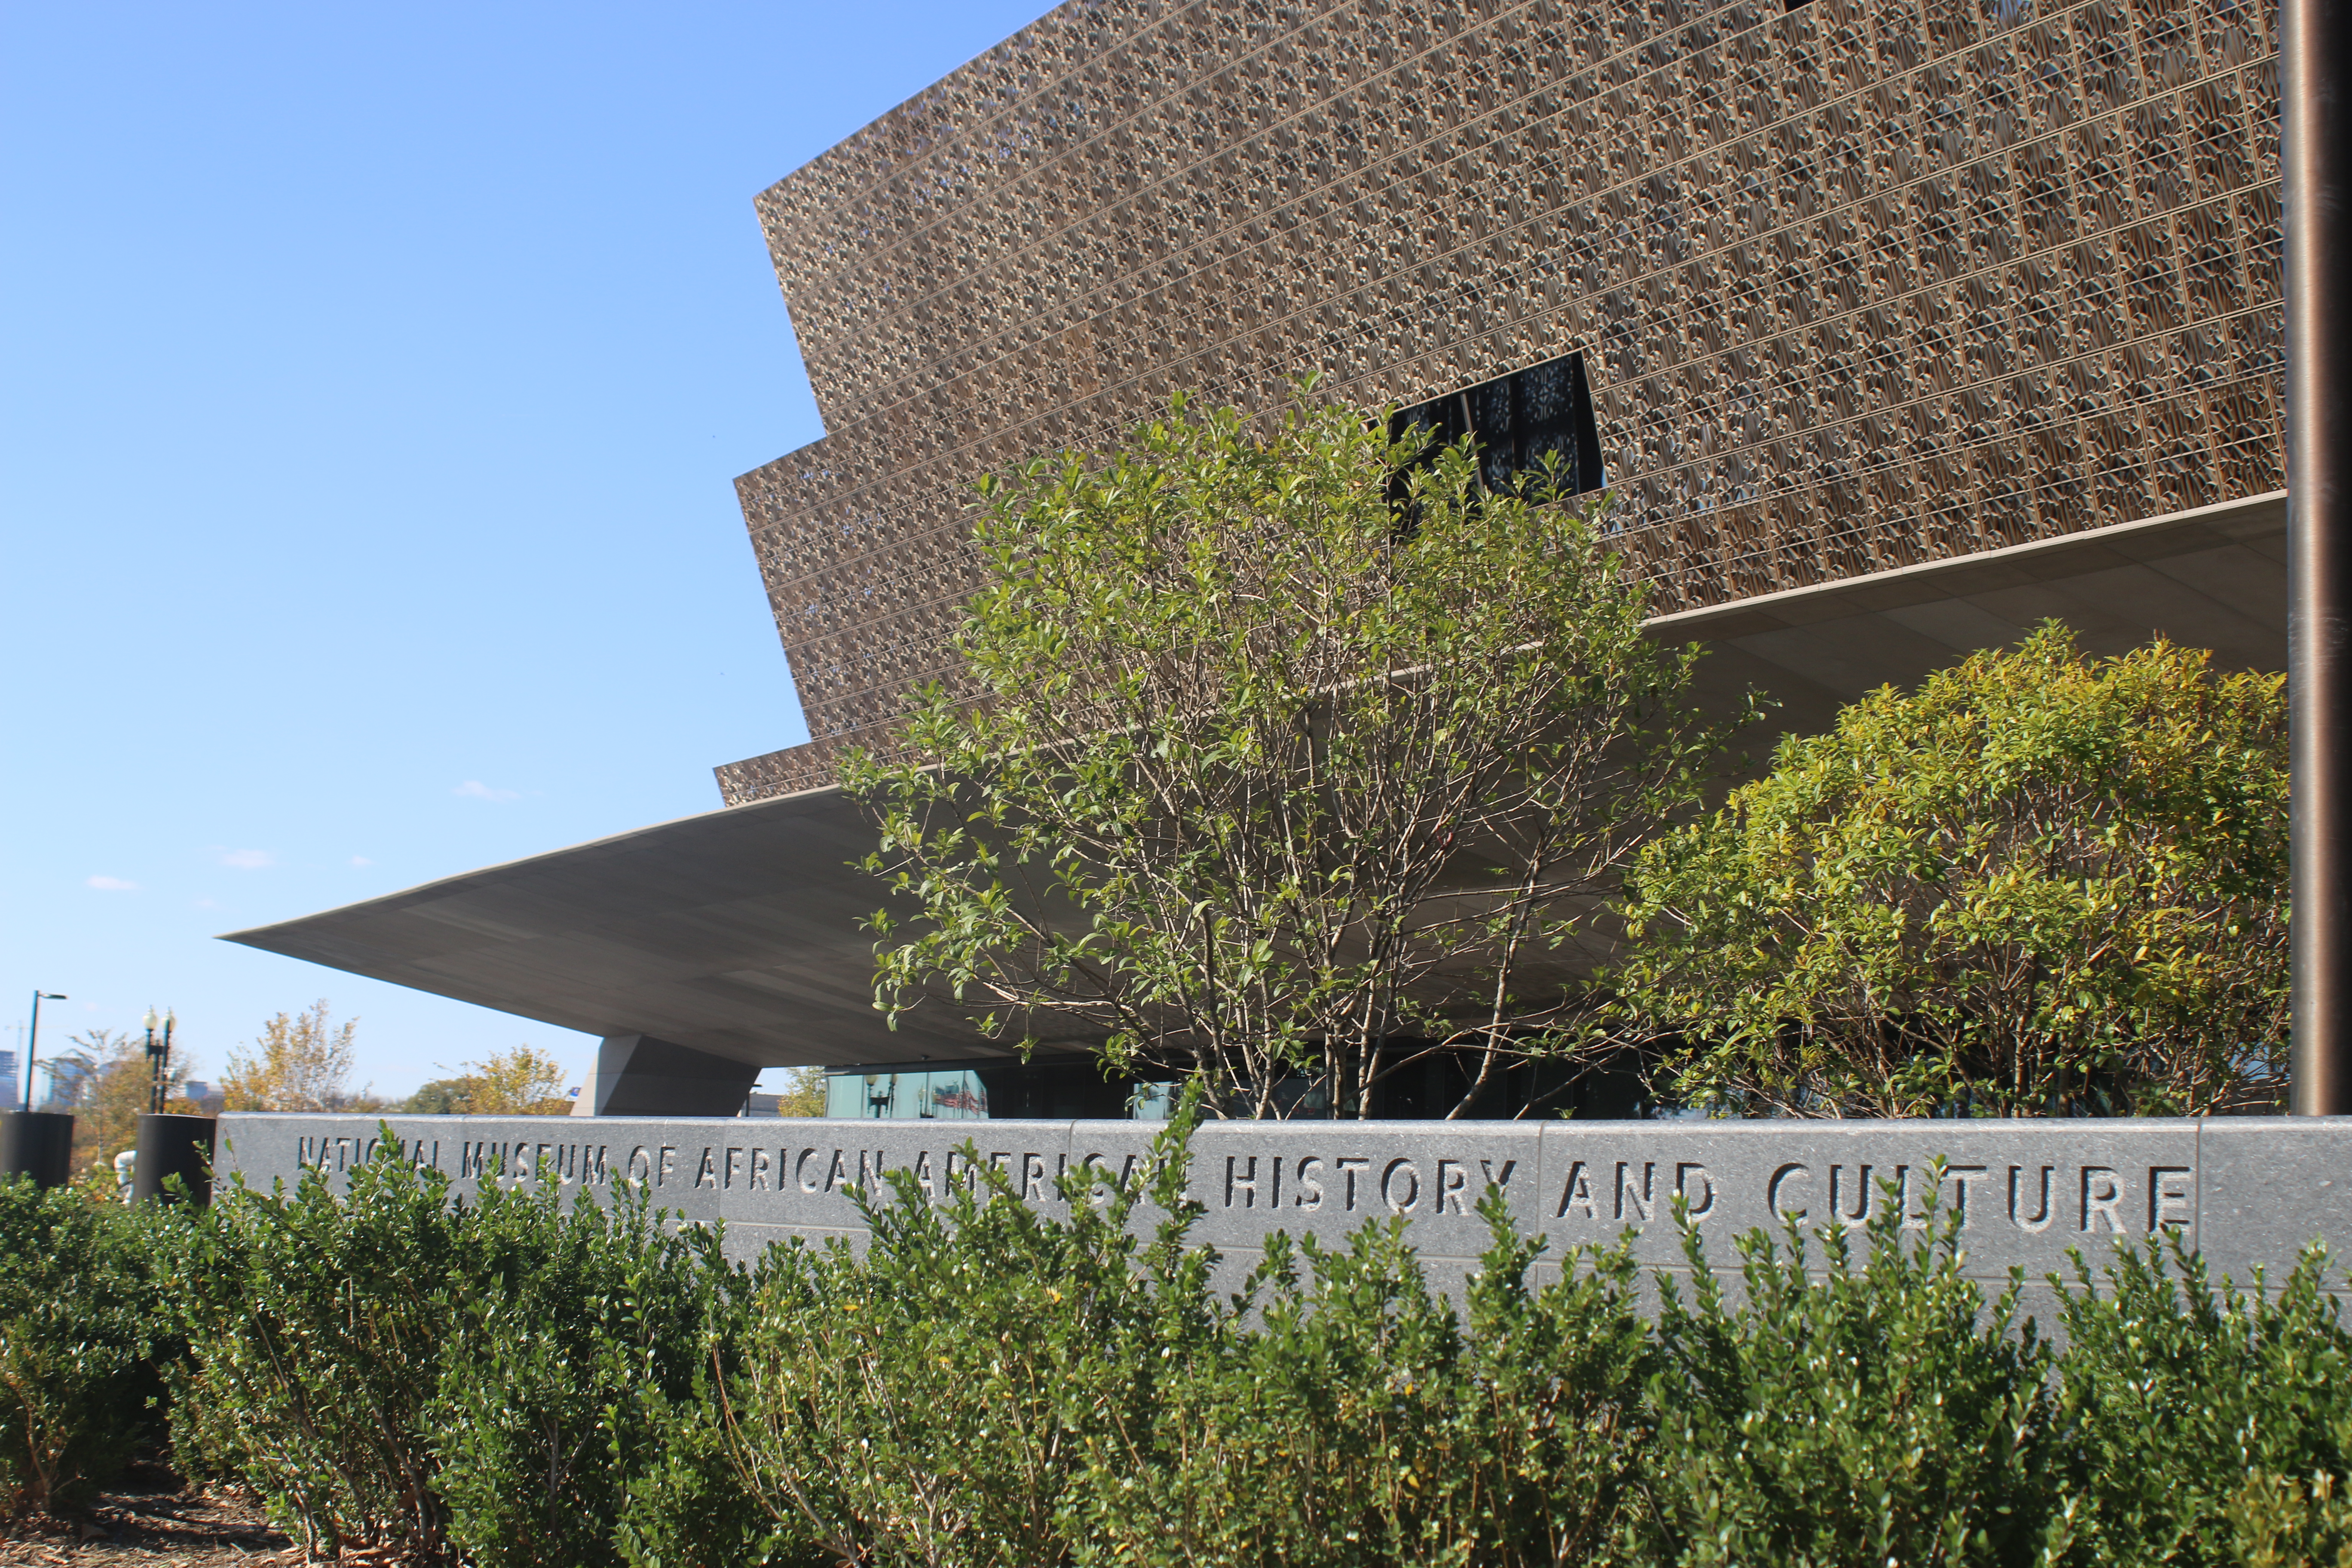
column 1521, row 422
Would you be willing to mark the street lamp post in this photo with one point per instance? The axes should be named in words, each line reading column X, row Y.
column 159, row 1060
column 33, row 1037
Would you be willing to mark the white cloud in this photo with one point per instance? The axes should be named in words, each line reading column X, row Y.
column 475, row 789
column 248, row 859
column 361, row 860
column 208, row 904
column 113, row 885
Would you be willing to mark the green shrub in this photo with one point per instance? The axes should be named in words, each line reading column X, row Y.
column 316, row 1329
column 935, row 1401
column 1364, row 1422
column 577, row 1352
column 78, row 1321
column 989, row 1385
column 691, row 1507
column 505, row 1382
column 2040, row 884
column 1875, row 1410
column 2276, row 1521
column 500, row 1381
column 2207, row 1425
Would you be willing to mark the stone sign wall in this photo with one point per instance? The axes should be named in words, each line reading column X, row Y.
column 2242, row 1191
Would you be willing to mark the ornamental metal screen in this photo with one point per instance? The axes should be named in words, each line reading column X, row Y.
column 1853, row 285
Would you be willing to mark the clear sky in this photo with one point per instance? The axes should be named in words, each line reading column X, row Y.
column 375, row 378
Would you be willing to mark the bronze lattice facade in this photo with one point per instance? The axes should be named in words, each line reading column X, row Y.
column 1855, row 286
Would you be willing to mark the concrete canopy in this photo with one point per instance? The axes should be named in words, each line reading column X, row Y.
column 736, row 932
column 2211, row 578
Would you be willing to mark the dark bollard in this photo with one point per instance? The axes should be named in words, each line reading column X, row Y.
column 172, row 1146
column 36, row 1144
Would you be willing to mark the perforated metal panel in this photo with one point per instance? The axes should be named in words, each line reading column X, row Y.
column 1855, row 286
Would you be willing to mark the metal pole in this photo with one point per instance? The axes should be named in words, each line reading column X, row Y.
column 32, row 1047
column 2315, row 71
column 33, row 1038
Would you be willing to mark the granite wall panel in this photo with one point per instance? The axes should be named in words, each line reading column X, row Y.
column 2242, row 1191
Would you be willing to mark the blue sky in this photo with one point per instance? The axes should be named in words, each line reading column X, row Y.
column 375, row 375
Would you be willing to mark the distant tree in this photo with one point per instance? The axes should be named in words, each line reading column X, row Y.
column 2040, row 884
column 114, row 1084
column 302, row 1061
column 1297, row 754
column 439, row 1097
column 519, row 1082
column 803, row 1093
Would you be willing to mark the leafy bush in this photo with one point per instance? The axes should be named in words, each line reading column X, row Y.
column 577, row 1350
column 2040, row 884
column 78, row 1321
column 506, row 1382
column 936, row 1400
column 499, row 1380
column 316, row 1328
column 691, row 1507
column 988, row 1384
column 1364, row 1422
column 2208, row 1424
column 1876, row 1409
column 2276, row 1521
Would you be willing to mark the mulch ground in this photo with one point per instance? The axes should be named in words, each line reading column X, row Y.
column 150, row 1522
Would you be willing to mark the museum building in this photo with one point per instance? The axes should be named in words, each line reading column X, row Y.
column 1889, row 330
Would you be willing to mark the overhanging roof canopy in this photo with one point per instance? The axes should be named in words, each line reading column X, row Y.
column 736, row 933
column 2214, row 578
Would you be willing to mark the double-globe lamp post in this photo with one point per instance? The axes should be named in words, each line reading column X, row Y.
column 159, row 1060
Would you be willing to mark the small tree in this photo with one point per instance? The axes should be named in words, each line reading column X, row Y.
column 2042, row 884
column 519, row 1082
column 303, row 1062
column 437, row 1097
column 1294, row 755
column 803, row 1093
column 116, row 1085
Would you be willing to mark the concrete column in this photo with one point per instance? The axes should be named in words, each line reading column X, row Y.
column 638, row 1075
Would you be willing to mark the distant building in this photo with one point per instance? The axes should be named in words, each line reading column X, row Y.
column 1890, row 329
column 69, row 1078
column 12, row 1090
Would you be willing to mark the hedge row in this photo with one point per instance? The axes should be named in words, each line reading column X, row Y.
column 499, row 1382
